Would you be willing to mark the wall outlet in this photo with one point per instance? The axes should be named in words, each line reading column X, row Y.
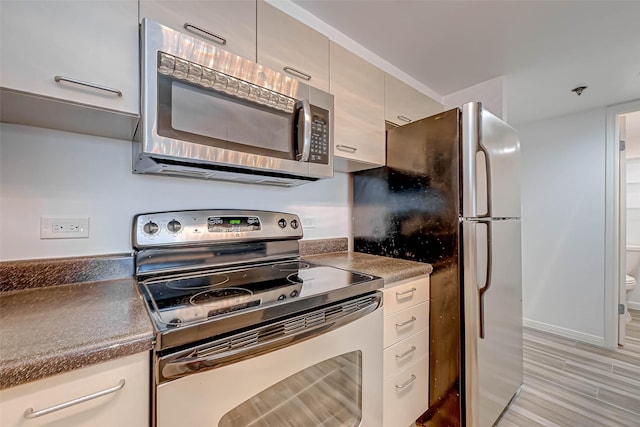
column 64, row 228
column 308, row 222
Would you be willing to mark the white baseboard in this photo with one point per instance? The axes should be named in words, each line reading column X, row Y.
column 633, row 305
column 564, row 332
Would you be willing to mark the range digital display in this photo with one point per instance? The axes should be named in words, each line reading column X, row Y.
column 226, row 224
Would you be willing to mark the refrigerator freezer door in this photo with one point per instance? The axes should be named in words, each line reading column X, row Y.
column 492, row 287
column 490, row 165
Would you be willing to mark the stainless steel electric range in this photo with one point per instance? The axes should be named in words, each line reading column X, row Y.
column 224, row 286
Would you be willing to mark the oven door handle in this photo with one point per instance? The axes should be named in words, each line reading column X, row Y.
column 175, row 366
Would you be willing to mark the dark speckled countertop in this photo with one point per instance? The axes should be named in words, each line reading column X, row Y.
column 64, row 314
column 390, row 269
column 50, row 330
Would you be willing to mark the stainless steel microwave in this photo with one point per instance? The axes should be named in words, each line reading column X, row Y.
column 207, row 113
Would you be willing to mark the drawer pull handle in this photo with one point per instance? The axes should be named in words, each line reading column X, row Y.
column 214, row 37
column 297, row 73
column 404, row 118
column 30, row 413
column 413, row 319
column 346, row 148
column 59, row 79
column 407, row 292
column 406, row 353
column 406, row 383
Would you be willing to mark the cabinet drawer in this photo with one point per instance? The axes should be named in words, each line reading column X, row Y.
column 405, row 295
column 405, row 323
column 122, row 404
column 406, row 394
column 405, row 353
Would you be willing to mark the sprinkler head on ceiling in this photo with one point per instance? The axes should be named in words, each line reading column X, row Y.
column 579, row 90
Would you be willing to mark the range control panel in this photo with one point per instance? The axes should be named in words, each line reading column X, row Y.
column 213, row 226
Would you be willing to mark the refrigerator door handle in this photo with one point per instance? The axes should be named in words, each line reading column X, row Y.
column 472, row 144
column 487, row 280
column 487, row 162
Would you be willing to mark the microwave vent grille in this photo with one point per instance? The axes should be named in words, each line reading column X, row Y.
column 159, row 166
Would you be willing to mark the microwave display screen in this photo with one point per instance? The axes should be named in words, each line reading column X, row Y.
column 227, row 224
column 215, row 116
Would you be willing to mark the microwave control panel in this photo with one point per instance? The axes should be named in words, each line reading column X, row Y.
column 319, row 152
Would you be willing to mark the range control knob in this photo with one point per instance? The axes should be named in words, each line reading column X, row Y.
column 282, row 297
column 174, row 226
column 294, row 224
column 150, row 228
column 282, row 223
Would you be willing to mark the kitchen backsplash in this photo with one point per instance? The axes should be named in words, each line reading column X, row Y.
column 61, row 175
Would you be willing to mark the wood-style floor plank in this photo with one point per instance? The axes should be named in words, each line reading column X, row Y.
column 568, row 383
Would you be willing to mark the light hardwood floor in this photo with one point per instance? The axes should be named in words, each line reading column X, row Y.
column 567, row 383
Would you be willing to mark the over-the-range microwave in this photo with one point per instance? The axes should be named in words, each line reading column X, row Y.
column 207, row 113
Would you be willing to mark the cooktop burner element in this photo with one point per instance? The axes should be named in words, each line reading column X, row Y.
column 200, row 281
column 204, row 282
column 291, row 266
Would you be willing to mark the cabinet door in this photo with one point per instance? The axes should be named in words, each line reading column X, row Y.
column 92, row 41
column 358, row 88
column 230, row 24
column 404, row 104
column 288, row 46
column 125, row 401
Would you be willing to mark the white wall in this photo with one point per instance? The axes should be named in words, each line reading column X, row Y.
column 490, row 93
column 563, row 224
column 59, row 174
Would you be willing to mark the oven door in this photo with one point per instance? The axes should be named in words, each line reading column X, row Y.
column 332, row 379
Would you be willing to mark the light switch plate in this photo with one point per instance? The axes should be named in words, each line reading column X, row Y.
column 64, row 228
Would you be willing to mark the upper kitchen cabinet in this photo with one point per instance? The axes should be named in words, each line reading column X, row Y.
column 229, row 24
column 358, row 88
column 404, row 104
column 60, row 57
column 288, row 46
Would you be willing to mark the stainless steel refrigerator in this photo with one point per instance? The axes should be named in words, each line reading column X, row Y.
column 450, row 196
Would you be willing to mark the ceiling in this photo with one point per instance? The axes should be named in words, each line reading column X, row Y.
column 542, row 48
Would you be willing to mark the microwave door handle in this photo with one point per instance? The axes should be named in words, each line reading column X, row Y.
column 306, row 130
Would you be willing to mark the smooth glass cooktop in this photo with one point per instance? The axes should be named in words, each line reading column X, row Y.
column 195, row 298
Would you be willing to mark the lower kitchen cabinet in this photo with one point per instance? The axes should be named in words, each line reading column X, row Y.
column 113, row 393
column 406, row 352
column 405, row 394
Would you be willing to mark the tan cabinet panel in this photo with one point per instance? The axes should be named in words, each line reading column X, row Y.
column 289, row 46
column 404, row 104
column 358, row 88
column 85, row 52
column 229, row 24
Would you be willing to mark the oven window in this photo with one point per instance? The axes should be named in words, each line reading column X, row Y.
column 328, row 394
